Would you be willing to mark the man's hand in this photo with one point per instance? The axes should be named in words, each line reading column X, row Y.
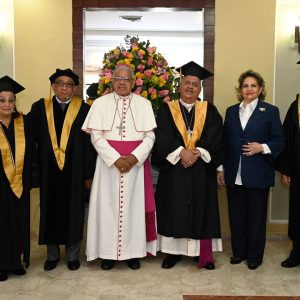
column 88, row 183
column 285, row 179
column 220, row 178
column 121, row 164
column 189, row 157
column 125, row 163
column 131, row 160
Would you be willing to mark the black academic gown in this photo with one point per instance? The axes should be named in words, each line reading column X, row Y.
column 62, row 191
column 186, row 198
column 14, row 211
column 288, row 163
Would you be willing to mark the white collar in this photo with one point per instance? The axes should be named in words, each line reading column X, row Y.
column 59, row 101
column 250, row 105
column 188, row 106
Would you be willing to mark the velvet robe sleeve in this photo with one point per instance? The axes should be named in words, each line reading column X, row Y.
column 284, row 163
column 211, row 138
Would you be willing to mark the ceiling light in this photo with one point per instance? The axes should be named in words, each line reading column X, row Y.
column 131, row 18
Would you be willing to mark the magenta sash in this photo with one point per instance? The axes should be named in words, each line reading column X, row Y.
column 125, row 148
column 205, row 256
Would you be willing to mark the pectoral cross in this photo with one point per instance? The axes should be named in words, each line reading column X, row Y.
column 120, row 127
column 190, row 133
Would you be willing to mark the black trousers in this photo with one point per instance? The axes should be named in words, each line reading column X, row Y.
column 248, row 217
column 295, row 252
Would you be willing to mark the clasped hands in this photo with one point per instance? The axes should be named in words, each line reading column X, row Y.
column 125, row 163
column 189, row 157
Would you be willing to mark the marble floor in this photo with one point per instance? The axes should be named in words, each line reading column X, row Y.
column 152, row 282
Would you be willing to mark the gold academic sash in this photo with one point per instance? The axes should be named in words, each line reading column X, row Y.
column 90, row 102
column 14, row 168
column 200, row 116
column 73, row 109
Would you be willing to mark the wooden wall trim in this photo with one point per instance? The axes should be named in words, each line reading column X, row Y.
column 209, row 31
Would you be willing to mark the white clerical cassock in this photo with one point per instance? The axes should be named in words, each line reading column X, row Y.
column 117, row 221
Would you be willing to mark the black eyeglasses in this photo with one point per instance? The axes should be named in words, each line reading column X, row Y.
column 61, row 84
column 119, row 79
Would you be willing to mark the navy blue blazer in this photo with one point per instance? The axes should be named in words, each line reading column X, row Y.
column 264, row 127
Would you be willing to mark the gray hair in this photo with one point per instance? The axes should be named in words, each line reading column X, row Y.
column 124, row 67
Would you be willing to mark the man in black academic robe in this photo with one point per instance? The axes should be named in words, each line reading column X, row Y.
column 289, row 165
column 66, row 159
column 187, row 152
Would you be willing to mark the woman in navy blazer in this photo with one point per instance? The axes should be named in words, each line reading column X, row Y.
column 253, row 138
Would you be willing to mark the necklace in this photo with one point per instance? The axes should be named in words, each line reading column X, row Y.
column 189, row 130
column 120, row 127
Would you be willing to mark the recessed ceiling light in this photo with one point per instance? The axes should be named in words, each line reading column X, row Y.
column 131, row 18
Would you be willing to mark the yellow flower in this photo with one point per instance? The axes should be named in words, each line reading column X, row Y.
column 162, row 82
column 116, row 51
column 153, row 96
column 139, row 75
column 154, row 79
column 144, row 94
column 127, row 61
column 106, row 80
column 130, row 56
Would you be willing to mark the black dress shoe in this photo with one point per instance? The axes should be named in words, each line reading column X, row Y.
column 50, row 264
column 235, row 260
column 170, row 261
column 252, row 266
column 3, row 275
column 290, row 263
column 74, row 265
column 20, row 271
column 209, row 266
column 133, row 263
column 107, row 264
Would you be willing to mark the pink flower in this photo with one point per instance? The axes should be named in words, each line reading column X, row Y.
column 138, row 90
column 152, row 91
column 150, row 61
column 148, row 73
column 141, row 68
column 151, row 49
column 166, row 99
column 126, row 54
column 107, row 74
column 141, row 53
column 165, row 75
column 163, row 93
column 139, row 82
column 134, row 46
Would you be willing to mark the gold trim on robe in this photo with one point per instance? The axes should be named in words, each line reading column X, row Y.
column 200, row 116
column 14, row 168
column 71, row 114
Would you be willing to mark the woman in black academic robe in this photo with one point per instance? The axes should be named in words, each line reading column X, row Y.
column 15, row 170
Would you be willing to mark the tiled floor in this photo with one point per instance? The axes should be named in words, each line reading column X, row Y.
column 152, row 282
